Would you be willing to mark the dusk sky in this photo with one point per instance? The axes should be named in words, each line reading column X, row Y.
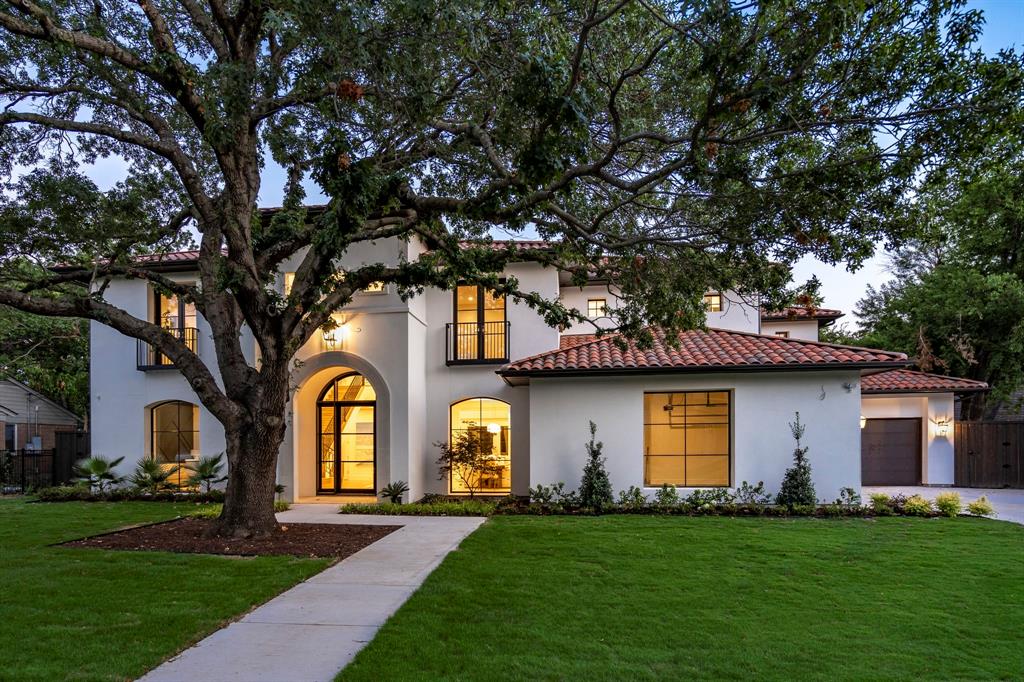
column 1004, row 28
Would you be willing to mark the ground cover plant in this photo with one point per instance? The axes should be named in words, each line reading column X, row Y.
column 102, row 615
column 644, row 597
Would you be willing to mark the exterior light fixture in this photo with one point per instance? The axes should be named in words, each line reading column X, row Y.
column 863, row 421
column 942, row 427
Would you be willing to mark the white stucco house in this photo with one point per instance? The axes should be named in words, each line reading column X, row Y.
column 372, row 397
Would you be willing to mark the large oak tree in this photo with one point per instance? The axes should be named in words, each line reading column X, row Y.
column 670, row 146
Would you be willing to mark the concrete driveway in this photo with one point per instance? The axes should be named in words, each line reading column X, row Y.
column 1008, row 503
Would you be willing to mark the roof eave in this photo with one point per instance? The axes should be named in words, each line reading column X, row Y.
column 699, row 369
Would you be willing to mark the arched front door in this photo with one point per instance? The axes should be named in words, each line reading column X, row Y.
column 347, row 448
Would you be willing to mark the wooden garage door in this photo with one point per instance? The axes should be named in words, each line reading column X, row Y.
column 890, row 452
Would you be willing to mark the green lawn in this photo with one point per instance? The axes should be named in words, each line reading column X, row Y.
column 635, row 597
column 88, row 614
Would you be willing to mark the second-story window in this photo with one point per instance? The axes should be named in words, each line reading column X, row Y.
column 713, row 303
column 783, row 334
column 176, row 316
column 597, row 307
column 480, row 330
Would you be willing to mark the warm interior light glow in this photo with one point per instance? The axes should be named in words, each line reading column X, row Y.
column 494, row 428
column 863, row 421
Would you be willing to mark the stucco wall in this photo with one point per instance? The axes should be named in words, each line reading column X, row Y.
column 798, row 329
column 937, row 451
column 763, row 405
column 120, row 394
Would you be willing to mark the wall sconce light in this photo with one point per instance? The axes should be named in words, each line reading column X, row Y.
column 494, row 428
column 863, row 421
column 942, row 427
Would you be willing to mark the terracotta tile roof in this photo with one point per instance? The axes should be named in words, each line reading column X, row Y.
column 700, row 350
column 801, row 313
column 570, row 340
column 911, row 381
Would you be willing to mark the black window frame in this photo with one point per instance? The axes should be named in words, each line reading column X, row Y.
column 480, row 358
column 730, row 412
column 194, row 408
column 337, row 404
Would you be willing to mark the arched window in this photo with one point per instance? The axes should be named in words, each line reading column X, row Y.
column 174, row 430
column 491, row 421
column 346, row 428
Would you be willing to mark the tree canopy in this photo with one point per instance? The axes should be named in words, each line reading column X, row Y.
column 669, row 147
column 957, row 302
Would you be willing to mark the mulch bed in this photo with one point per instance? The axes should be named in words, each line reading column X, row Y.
column 187, row 535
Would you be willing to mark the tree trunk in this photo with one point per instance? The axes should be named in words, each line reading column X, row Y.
column 252, row 449
column 972, row 407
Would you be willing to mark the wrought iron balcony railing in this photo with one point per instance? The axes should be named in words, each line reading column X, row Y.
column 150, row 358
column 476, row 343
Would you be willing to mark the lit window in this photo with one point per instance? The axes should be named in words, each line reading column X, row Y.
column 479, row 333
column 174, row 433
column 289, row 280
column 713, row 302
column 783, row 334
column 597, row 307
column 374, row 288
column 490, row 421
column 686, row 439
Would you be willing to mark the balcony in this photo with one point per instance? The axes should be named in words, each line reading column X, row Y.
column 150, row 358
column 476, row 343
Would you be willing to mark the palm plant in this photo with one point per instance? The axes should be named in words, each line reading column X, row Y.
column 150, row 476
column 394, row 491
column 207, row 472
column 99, row 472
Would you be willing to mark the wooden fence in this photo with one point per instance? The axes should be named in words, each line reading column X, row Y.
column 989, row 454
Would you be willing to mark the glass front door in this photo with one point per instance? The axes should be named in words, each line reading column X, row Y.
column 347, row 436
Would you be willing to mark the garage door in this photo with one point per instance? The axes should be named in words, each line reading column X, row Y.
column 890, row 452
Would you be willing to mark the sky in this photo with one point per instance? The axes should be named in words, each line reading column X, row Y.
column 1004, row 27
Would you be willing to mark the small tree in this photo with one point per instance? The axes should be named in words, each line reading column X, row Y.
column 797, row 487
column 207, row 472
column 98, row 472
column 468, row 457
column 595, row 486
column 150, row 476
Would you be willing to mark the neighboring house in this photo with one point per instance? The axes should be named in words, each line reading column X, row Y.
column 29, row 420
column 373, row 396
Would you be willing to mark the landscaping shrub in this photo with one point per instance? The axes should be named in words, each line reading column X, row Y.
column 981, row 507
column 633, row 498
column 554, row 494
column 666, row 496
column 881, row 504
column 469, row 507
column 710, row 497
column 595, row 486
column 797, row 486
column 917, row 506
column 848, row 497
column 65, row 493
column 948, row 504
column 98, row 472
column 207, row 472
column 151, row 477
column 394, row 491
column 753, row 494
column 82, row 493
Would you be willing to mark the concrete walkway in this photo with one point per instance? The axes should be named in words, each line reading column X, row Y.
column 315, row 629
column 1008, row 503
